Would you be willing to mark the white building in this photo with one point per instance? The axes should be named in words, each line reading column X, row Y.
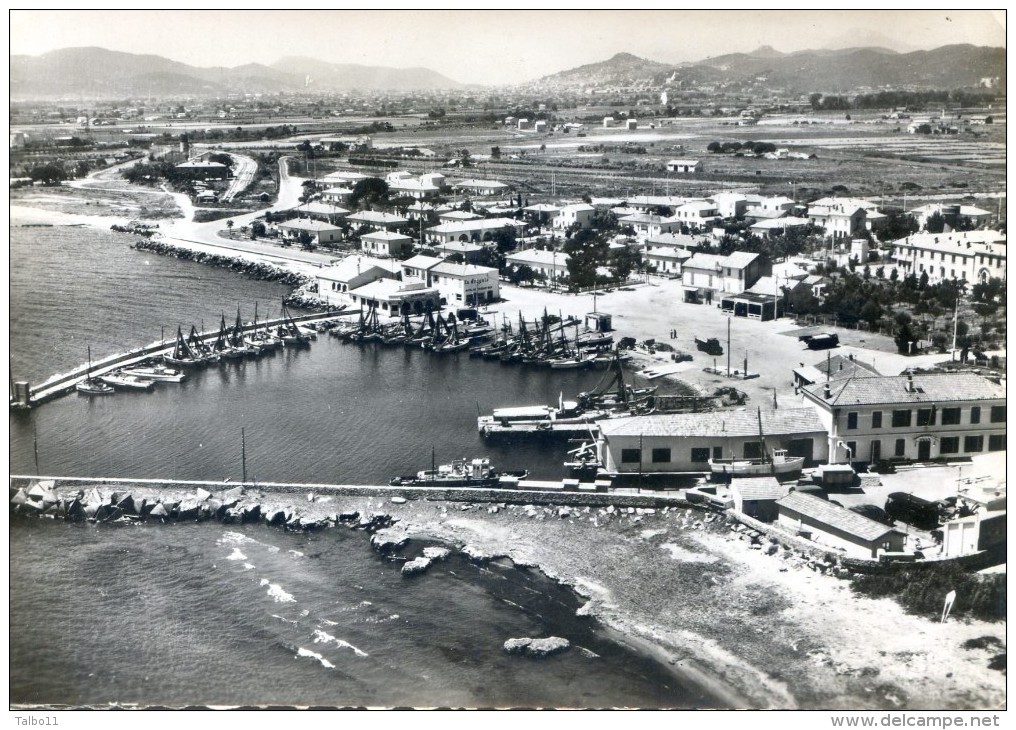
column 481, row 187
column 481, row 229
column 388, row 295
column 840, row 221
column 377, row 220
column 950, row 212
column 973, row 256
column 698, row 213
column 730, row 205
column 385, row 244
column 350, row 273
column 579, row 214
column 319, row 231
column 551, row 264
column 684, row 166
column 465, row 283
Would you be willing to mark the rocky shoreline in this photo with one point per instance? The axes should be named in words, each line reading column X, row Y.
column 263, row 272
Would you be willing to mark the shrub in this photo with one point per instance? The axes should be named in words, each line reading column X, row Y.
column 922, row 591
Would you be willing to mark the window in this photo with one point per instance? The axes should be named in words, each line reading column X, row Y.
column 661, row 456
column 901, row 419
column 876, row 451
column 852, row 448
column 950, row 416
column 876, row 419
column 717, row 452
column 852, row 420
column 901, row 447
column 973, row 444
column 998, row 414
column 700, row 455
column 925, row 417
column 996, row 442
column 975, row 414
column 631, row 456
column 950, row 445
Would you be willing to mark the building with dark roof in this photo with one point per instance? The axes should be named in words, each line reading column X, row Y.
column 828, row 524
column 667, row 443
column 756, row 496
column 910, row 417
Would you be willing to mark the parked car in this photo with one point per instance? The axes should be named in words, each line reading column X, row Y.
column 913, row 510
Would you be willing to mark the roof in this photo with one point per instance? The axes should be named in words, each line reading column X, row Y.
column 833, row 211
column 847, row 202
column 841, row 366
column 345, row 175
column 479, row 224
column 457, row 246
column 967, row 242
column 308, row 224
column 579, row 208
column 759, row 488
column 733, row 424
column 422, row 262
column 738, row 259
column 202, row 165
column 678, row 240
column 697, row 205
column 709, row 261
column 928, row 388
column 376, row 216
column 682, row 162
column 965, row 210
column 833, row 516
column 488, row 184
column 544, row 258
column 777, row 223
column 385, row 236
column 338, row 191
column 323, row 208
column 459, row 215
column 353, row 266
column 449, row 269
column 382, row 288
column 542, row 208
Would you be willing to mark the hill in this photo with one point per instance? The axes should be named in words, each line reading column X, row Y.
column 824, row 70
column 98, row 72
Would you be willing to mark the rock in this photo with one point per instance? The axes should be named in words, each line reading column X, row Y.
column 610, row 509
column 90, row 509
column 398, row 500
column 276, row 517
column 649, row 511
column 39, row 493
column 251, row 513
column 75, row 512
column 235, row 494
column 126, row 505
column 202, row 495
column 772, row 549
column 416, row 566
column 349, row 516
column 631, row 510
column 310, row 496
column 188, row 511
column 20, row 497
column 158, row 512
column 475, row 554
column 465, row 507
column 92, row 496
column 537, row 648
column 388, row 544
column 562, row 513
column 436, row 553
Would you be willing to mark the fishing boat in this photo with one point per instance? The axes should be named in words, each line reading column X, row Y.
column 462, row 473
column 156, row 373
column 122, row 381
column 183, row 356
column 776, row 463
column 262, row 340
column 93, row 386
column 289, row 333
column 224, row 346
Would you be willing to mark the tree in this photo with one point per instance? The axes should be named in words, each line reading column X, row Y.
column 257, row 230
column 935, row 223
column 495, row 153
column 624, row 261
column 521, row 273
column 48, row 174
column 305, row 239
column 586, row 252
column 230, row 224
column 465, row 159
column 369, row 192
column 871, row 313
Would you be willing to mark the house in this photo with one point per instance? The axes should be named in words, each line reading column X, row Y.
column 351, row 273
column 480, row 229
column 684, row 166
column 779, row 226
column 649, row 203
column 730, row 205
column 450, row 216
column 576, row 214
column 950, row 213
column 667, row 261
column 730, row 274
column 647, row 225
column 420, row 211
column 465, row 283
column 982, row 489
column 608, row 122
column 973, row 256
column 327, row 212
column 698, row 213
column 840, row 221
column 540, row 126
column 319, row 231
column 756, row 497
column 410, row 188
column 541, row 213
column 385, row 244
column 471, row 253
column 419, row 267
column 631, row 124
column 481, row 187
column 203, row 170
column 828, row 524
column 377, row 220
column 344, row 178
column 910, row 417
column 388, row 296
column 778, row 205
column 551, row 264
column 334, row 196
column 668, row 443
column 523, row 124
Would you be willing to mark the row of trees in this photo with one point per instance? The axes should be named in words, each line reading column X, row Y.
column 757, row 148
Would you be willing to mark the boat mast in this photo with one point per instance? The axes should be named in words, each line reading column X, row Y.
column 243, row 456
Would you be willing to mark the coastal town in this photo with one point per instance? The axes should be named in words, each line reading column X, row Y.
column 786, row 311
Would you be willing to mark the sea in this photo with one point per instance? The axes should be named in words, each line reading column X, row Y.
column 208, row 614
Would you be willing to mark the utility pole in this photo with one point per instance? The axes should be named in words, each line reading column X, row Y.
column 243, row 456
column 728, row 348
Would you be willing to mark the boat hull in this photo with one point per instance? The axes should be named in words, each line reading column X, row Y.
column 754, row 468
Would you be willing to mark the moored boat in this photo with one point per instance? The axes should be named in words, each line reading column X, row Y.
column 156, row 373
column 777, row 463
column 122, row 381
column 90, row 385
column 462, row 473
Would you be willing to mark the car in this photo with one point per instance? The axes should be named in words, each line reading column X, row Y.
column 873, row 512
column 913, row 510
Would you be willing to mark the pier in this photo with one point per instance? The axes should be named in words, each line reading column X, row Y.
column 26, row 395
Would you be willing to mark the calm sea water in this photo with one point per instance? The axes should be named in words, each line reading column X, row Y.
column 210, row 614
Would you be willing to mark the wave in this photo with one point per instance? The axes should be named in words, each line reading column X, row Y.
column 277, row 593
column 248, row 566
column 322, row 637
column 301, row 652
column 284, row 619
column 236, row 555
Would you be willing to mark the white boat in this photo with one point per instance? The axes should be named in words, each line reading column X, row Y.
column 157, row 373
column 776, row 463
column 122, row 381
column 461, row 473
column 90, row 385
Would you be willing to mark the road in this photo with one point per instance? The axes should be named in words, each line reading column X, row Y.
column 244, row 169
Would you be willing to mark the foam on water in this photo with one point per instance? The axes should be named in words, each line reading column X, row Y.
column 322, row 637
column 277, row 593
column 301, row 652
column 237, row 555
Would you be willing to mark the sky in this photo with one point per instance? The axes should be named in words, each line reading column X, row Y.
column 488, row 46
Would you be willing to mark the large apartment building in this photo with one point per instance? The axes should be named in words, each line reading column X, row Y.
column 914, row 417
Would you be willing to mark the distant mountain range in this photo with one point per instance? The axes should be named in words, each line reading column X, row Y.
column 100, row 72
column 948, row 67
column 97, row 72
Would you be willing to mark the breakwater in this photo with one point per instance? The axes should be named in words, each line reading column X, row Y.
column 253, row 269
